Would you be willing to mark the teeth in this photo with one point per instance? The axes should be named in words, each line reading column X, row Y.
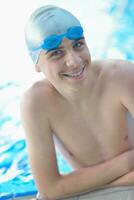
column 76, row 74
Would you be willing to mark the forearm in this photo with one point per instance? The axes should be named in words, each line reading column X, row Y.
column 127, row 179
column 90, row 178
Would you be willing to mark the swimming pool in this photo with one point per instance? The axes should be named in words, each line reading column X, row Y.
column 15, row 174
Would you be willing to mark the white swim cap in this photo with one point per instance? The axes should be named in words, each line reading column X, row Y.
column 46, row 21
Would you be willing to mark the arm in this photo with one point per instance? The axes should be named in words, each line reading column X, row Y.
column 127, row 179
column 125, row 81
column 42, row 156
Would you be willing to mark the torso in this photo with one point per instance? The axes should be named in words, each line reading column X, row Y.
column 95, row 134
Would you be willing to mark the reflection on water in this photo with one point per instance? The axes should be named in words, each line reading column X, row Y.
column 15, row 173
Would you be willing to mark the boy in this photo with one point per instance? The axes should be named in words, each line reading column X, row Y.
column 83, row 107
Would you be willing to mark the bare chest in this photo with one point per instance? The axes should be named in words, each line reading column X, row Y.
column 94, row 136
column 100, row 131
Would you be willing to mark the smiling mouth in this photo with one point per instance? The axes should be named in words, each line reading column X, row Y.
column 75, row 74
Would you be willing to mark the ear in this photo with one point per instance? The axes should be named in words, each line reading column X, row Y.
column 37, row 68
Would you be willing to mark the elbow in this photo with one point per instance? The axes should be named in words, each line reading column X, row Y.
column 53, row 192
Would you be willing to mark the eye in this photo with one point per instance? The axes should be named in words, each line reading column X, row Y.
column 78, row 44
column 56, row 53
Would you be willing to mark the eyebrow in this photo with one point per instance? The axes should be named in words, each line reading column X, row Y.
column 60, row 47
column 82, row 38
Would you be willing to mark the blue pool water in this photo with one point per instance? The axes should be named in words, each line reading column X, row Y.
column 15, row 174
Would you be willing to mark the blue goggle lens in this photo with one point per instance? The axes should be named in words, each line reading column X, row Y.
column 75, row 32
column 51, row 42
column 54, row 41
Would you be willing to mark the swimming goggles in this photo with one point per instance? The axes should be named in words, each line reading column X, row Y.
column 53, row 41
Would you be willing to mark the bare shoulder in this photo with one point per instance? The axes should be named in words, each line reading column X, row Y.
column 115, row 70
column 120, row 71
column 35, row 107
column 38, row 95
column 116, row 76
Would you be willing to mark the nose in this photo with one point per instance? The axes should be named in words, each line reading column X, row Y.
column 73, row 59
